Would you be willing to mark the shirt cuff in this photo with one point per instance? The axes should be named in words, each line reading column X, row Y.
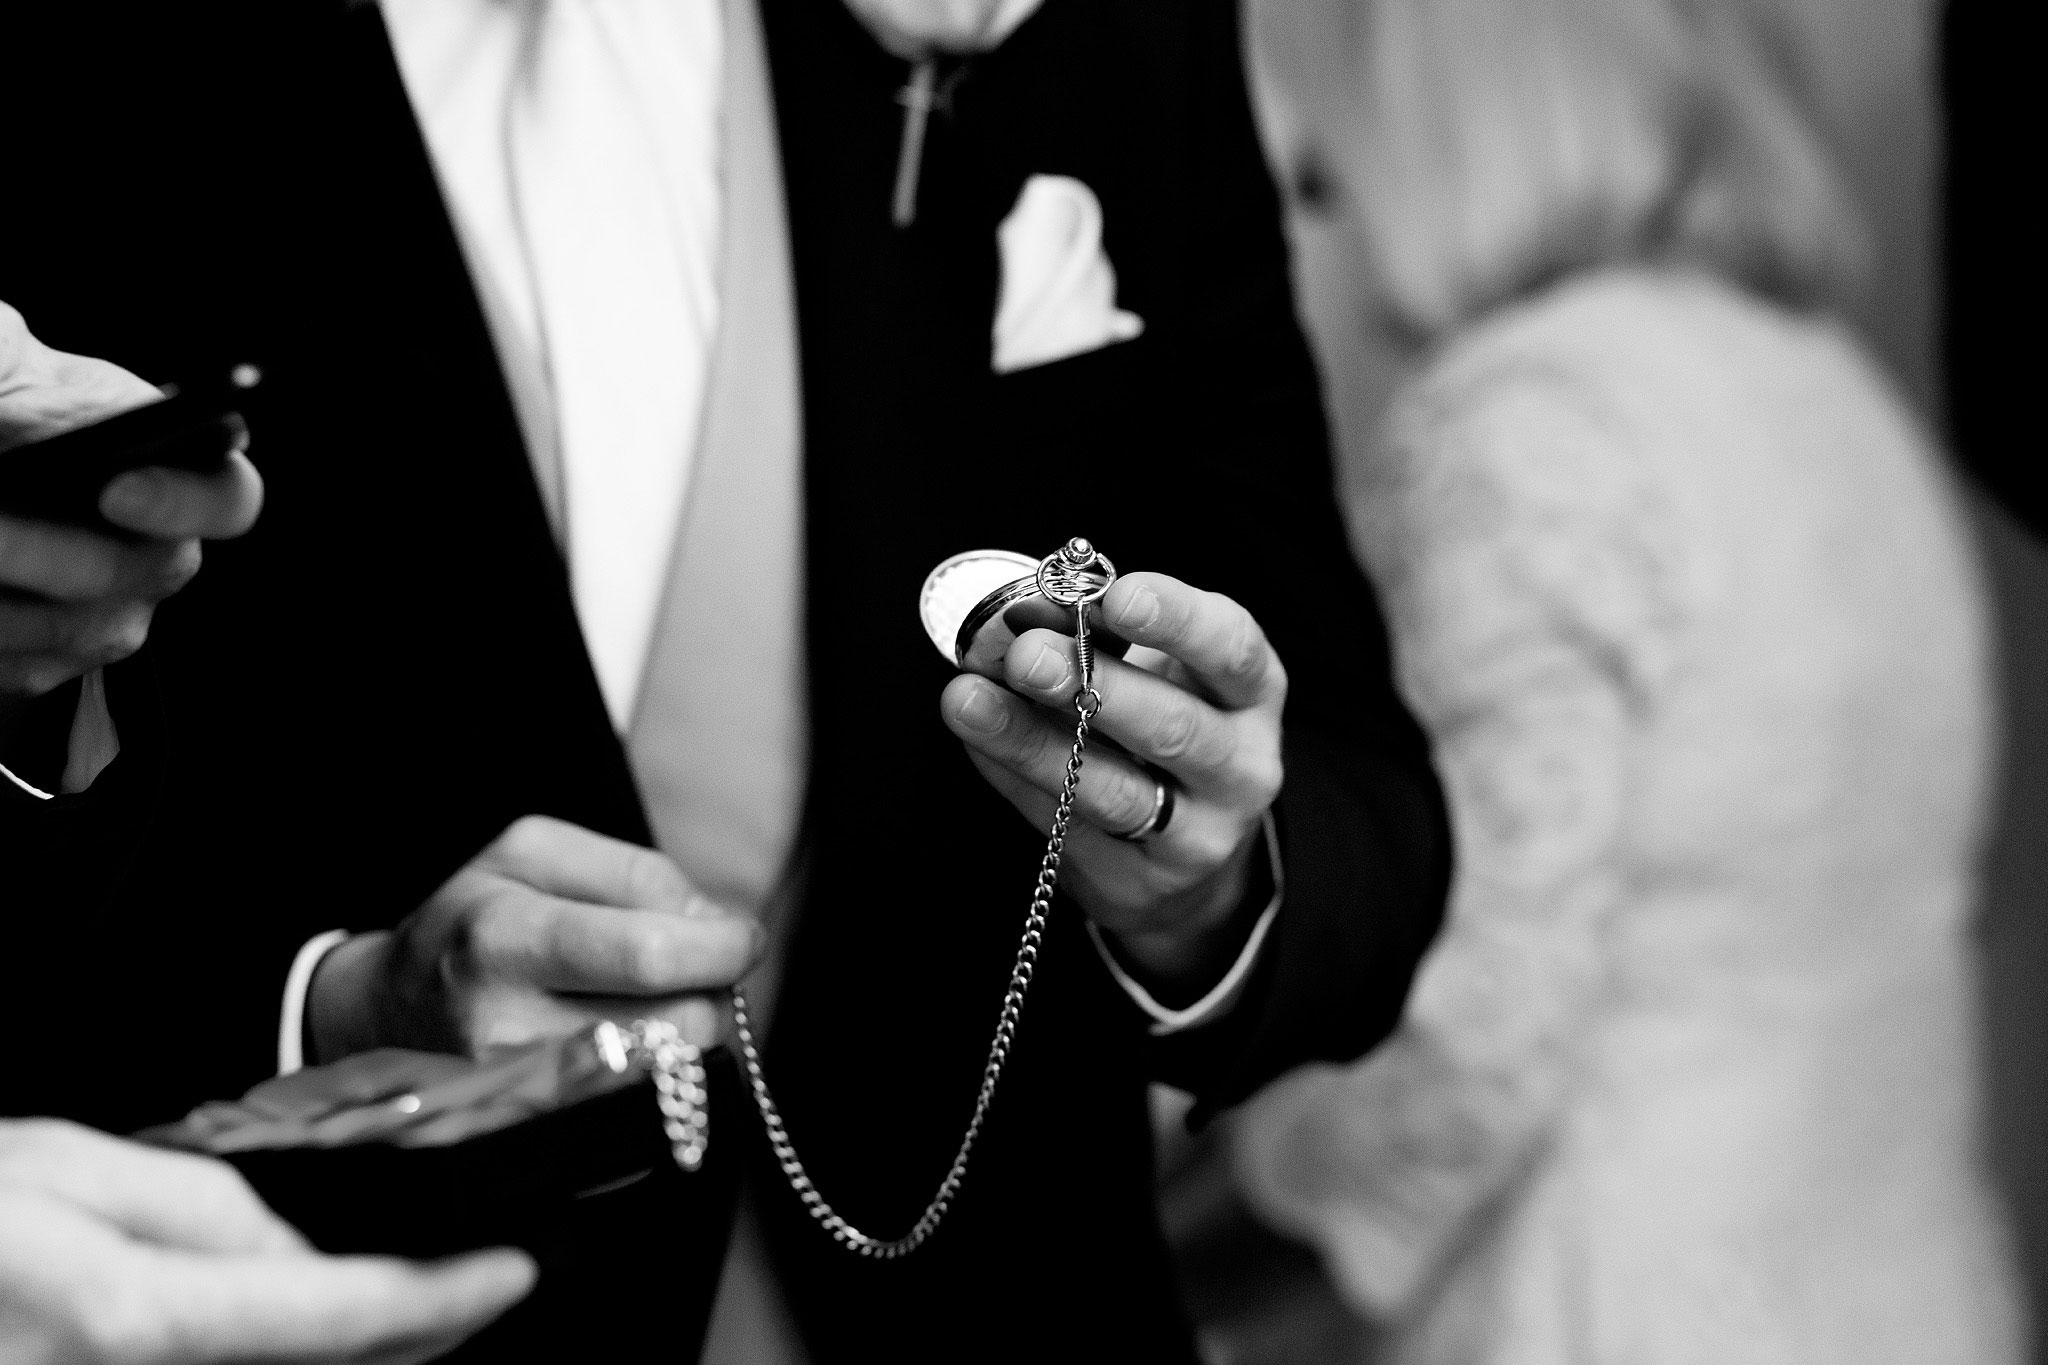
column 19, row 784
column 93, row 745
column 291, row 1019
column 1224, row 993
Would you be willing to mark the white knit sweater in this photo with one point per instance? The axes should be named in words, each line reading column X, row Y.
column 1681, row 593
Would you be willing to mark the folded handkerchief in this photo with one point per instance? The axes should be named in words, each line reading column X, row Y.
column 914, row 29
column 1059, row 292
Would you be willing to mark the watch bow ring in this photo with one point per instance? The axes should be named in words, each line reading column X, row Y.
column 1075, row 574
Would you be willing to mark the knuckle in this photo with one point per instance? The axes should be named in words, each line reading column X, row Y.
column 24, row 1141
column 179, row 567
column 120, row 637
column 216, row 1185
column 1130, row 803
column 1175, row 731
column 1019, row 742
column 492, row 939
column 1244, row 653
column 51, row 674
column 526, row 835
column 1015, row 740
column 646, row 962
column 650, row 878
column 1045, row 747
column 1211, row 845
column 566, row 943
column 35, row 676
column 1264, row 775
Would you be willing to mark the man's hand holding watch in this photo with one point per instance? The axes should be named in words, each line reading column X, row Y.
column 1195, row 709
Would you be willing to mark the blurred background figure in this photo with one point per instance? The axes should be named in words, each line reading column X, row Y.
column 1689, row 604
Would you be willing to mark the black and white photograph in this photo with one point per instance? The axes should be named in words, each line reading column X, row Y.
column 1214, row 682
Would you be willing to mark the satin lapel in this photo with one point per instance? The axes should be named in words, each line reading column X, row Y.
column 720, row 741
column 492, row 629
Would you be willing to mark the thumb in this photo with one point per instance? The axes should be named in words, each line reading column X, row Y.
column 45, row 391
column 173, row 1199
column 287, row 1308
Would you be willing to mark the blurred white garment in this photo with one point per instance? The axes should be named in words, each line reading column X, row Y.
column 1682, row 595
column 578, row 142
column 915, row 29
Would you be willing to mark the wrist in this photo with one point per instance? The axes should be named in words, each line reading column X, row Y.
column 345, row 1001
column 1178, row 966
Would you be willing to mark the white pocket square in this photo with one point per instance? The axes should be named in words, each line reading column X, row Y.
column 1059, row 292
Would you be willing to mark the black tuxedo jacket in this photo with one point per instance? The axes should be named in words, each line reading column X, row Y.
column 350, row 702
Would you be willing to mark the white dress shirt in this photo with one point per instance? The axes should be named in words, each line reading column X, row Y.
column 578, row 146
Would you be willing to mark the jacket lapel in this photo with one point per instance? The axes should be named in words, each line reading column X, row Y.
column 472, row 526
column 720, row 741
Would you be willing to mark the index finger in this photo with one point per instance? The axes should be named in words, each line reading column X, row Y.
column 1213, row 637
column 172, row 1198
column 286, row 1308
column 177, row 504
column 570, row 861
column 582, row 949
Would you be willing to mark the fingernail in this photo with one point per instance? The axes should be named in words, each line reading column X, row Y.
column 981, row 711
column 1048, row 670
column 1140, row 609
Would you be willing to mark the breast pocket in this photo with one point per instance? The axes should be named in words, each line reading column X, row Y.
column 1078, row 426
column 1077, row 439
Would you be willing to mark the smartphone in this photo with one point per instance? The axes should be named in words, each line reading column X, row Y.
column 60, row 478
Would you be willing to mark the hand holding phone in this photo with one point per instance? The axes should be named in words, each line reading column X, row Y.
column 100, row 523
column 62, row 478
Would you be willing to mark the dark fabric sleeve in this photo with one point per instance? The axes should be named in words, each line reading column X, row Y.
column 35, row 741
column 94, row 942
column 77, row 845
column 1364, row 838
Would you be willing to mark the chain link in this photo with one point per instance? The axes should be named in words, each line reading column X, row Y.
column 680, row 1089
column 1087, row 702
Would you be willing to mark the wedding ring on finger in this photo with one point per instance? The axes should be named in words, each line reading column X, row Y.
column 1156, row 822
